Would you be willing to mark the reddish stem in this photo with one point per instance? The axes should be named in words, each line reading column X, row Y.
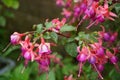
column 91, row 24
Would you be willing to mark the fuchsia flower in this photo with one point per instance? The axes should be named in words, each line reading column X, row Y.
column 15, row 38
column 66, row 13
column 107, row 36
column 112, row 57
column 82, row 55
column 95, row 55
column 57, row 24
column 27, row 50
column 43, row 62
column 104, row 10
column 60, row 2
column 44, row 48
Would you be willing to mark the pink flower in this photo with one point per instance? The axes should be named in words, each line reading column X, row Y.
column 27, row 49
column 15, row 38
column 57, row 24
column 29, row 55
column 44, row 47
column 66, row 13
column 60, row 2
column 82, row 56
column 104, row 10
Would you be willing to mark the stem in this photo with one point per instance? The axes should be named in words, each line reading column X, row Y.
column 103, row 29
column 79, row 24
column 63, row 35
column 91, row 24
column 117, row 68
column 6, row 47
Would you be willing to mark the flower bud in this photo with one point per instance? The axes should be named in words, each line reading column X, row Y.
column 106, row 36
column 100, row 52
column 114, row 59
column 100, row 67
column 81, row 57
column 100, row 18
column 27, row 55
column 92, row 60
column 15, row 38
column 112, row 38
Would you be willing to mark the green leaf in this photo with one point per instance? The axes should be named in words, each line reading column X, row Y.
column 47, row 35
column 39, row 28
column 17, row 75
column 67, row 28
column 114, row 75
column 42, row 77
column 51, row 75
column 117, row 7
column 2, row 21
column 10, row 50
column 48, row 24
column 54, row 36
column 69, row 67
column 11, row 3
column 71, row 49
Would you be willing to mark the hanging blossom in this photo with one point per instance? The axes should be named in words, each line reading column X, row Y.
column 97, row 55
column 41, row 53
column 107, row 36
column 81, row 10
column 57, row 24
column 34, row 51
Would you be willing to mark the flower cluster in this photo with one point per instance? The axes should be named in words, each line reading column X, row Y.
column 86, row 9
column 98, row 55
column 39, row 52
column 97, row 51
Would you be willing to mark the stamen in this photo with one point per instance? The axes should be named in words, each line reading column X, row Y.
column 23, row 70
column 80, row 68
column 18, row 57
column 98, row 71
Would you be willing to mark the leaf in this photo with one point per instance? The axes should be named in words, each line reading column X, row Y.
column 10, row 50
column 54, row 36
column 67, row 28
column 17, row 75
column 48, row 24
column 39, row 28
column 69, row 67
column 51, row 75
column 11, row 3
column 42, row 77
column 114, row 75
column 71, row 49
column 2, row 21
column 117, row 7
column 47, row 35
